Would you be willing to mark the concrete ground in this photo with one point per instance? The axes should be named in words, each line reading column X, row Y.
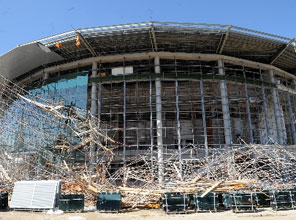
column 149, row 215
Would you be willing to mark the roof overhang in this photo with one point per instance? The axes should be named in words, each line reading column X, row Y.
column 25, row 58
column 192, row 38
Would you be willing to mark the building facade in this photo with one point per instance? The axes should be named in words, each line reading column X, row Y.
column 168, row 88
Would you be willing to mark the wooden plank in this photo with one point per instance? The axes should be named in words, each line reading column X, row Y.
column 211, row 189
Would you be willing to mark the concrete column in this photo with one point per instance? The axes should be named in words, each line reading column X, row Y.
column 248, row 109
column 178, row 126
column 99, row 109
column 204, row 123
column 225, row 105
column 93, row 111
column 93, row 107
column 266, row 115
column 45, row 75
column 292, row 118
column 99, row 102
column 159, row 121
column 124, row 121
column 278, row 112
column 151, row 121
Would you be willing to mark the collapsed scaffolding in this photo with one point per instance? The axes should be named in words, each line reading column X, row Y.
column 43, row 154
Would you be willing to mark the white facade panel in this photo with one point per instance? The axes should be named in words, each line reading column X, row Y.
column 122, row 70
column 35, row 195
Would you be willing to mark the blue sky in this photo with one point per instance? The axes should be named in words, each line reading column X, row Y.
column 22, row 21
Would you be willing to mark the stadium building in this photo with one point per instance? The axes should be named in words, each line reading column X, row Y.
column 168, row 87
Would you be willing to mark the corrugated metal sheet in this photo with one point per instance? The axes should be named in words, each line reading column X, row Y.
column 35, row 195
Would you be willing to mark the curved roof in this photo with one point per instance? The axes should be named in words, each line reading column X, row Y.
column 172, row 37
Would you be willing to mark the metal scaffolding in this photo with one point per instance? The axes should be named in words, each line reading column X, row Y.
column 148, row 107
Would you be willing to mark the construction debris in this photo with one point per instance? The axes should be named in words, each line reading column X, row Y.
column 57, row 142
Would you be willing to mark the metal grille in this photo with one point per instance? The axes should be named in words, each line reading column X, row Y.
column 35, row 195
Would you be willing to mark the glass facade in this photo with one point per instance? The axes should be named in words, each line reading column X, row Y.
column 40, row 129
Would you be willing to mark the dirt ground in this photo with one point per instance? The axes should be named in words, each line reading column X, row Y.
column 149, row 214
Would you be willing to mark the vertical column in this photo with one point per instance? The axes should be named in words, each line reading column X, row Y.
column 225, row 105
column 159, row 122
column 45, row 75
column 151, row 120
column 178, row 127
column 99, row 113
column 93, row 111
column 293, row 109
column 248, row 108
column 93, row 107
column 292, row 118
column 99, row 99
column 204, row 123
column 99, row 103
column 124, row 117
column 278, row 112
column 266, row 115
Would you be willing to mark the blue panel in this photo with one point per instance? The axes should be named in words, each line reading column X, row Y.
column 41, row 129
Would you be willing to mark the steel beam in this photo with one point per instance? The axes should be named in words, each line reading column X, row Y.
column 282, row 51
column 225, row 39
column 161, row 55
column 97, row 31
column 155, row 47
column 87, row 44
